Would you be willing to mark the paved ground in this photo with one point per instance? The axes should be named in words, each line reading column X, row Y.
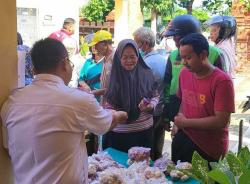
column 242, row 89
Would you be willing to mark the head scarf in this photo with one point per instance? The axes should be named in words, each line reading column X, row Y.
column 128, row 88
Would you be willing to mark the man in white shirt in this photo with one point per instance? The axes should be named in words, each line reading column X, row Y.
column 46, row 120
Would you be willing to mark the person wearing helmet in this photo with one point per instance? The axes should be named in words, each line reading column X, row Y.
column 178, row 28
column 222, row 29
column 102, row 41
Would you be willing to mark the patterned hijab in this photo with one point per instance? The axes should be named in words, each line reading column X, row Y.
column 128, row 88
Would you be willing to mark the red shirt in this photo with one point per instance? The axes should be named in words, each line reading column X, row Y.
column 201, row 98
column 60, row 35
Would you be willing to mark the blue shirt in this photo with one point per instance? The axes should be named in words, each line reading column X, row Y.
column 157, row 63
column 85, row 67
column 94, row 70
column 28, row 64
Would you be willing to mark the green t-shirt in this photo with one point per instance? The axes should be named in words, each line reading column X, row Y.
column 177, row 66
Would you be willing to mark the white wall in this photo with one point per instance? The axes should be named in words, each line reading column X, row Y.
column 50, row 17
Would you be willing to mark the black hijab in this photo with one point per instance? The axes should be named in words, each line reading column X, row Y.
column 128, row 88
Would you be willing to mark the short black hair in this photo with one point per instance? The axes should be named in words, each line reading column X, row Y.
column 198, row 42
column 46, row 54
column 19, row 39
column 68, row 21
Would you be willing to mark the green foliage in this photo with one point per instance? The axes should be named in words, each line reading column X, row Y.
column 246, row 4
column 244, row 178
column 198, row 13
column 183, row 3
column 231, row 169
column 221, row 177
column 96, row 10
column 162, row 7
column 201, row 15
column 84, row 48
column 200, row 168
column 211, row 6
column 217, row 6
column 236, row 166
column 244, row 157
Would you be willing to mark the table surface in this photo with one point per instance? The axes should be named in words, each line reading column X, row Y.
column 122, row 157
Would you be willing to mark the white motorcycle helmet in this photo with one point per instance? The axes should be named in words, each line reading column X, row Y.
column 227, row 26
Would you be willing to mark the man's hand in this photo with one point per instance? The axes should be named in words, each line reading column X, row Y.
column 145, row 105
column 83, row 86
column 118, row 117
column 174, row 131
column 179, row 120
column 98, row 92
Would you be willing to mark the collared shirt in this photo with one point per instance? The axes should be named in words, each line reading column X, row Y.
column 45, row 122
column 157, row 63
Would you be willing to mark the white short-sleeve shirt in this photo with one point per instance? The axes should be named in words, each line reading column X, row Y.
column 45, row 122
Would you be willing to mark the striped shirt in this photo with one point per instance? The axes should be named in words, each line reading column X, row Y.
column 144, row 122
column 106, row 71
column 105, row 75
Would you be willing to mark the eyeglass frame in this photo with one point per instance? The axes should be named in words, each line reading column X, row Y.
column 70, row 62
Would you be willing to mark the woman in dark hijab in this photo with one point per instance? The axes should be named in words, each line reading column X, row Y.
column 131, row 89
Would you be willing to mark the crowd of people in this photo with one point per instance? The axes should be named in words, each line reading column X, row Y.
column 129, row 95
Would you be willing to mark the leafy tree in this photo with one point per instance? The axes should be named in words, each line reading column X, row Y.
column 157, row 8
column 198, row 13
column 188, row 4
column 217, row 6
column 212, row 6
column 96, row 10
column 246, row 3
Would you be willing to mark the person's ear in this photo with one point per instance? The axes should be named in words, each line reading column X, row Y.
column 204, row 55
column 63, row 66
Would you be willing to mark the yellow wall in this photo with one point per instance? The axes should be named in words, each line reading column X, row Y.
column 8, row 73
column 128, row 18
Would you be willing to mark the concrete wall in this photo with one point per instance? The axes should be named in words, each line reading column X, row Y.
column 8, row 73
column 50, row 17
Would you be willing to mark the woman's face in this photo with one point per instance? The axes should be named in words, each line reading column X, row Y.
column 129, row 58
column 214, row 32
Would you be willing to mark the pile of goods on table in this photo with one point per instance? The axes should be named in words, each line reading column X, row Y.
column 104, row 170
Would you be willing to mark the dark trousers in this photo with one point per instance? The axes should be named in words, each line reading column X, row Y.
column 92, row 143
column 124, row 141
column 158, row 137
column 183, row 148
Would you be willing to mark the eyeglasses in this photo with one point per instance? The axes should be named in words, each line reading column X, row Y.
column 70, row 62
